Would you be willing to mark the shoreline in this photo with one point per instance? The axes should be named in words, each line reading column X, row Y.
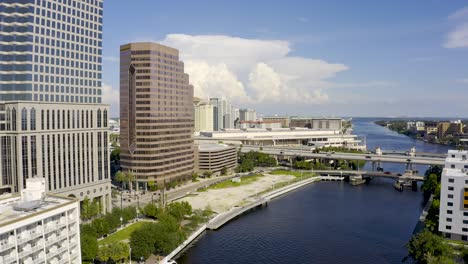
column 274, row 194
column 415, row 138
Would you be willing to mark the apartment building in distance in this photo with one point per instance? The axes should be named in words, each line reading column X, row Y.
column 453, row 219
column 156, row 114
column 203, row 115
column 39, row 228
column 53, row 124
column 223, row 117
column 247, row 115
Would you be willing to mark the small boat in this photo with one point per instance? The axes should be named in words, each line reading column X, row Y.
column 171, row 262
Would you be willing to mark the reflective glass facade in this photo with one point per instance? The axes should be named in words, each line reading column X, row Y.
column 50, row 50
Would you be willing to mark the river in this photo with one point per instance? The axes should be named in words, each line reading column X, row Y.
column 327, row 222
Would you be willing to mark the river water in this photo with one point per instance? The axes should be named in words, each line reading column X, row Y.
column 327, row 222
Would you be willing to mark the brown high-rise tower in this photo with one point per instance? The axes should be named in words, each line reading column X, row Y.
column 156, row 113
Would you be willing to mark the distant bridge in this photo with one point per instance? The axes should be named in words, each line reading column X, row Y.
column 365, row 174
column 305, row 152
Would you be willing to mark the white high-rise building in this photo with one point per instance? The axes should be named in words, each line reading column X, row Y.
column 39, row 228
column 52, row 122
column 222, row 113
column 453, row 214
column 203, row 116
column 247, row 115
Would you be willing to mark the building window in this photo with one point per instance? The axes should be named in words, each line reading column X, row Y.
column 448, row 227
column 24, row 153
column 449, row 219
column 33, row 156
column 447, row 235
column 13, row 119
column 105, row 118
column 450, row 196
column 99, row 118
column 452, row 166
column 465, row 221
column 450, row 188
column 24, row 119
column 449, row 204
column 464, row 238
column 53, row 119
column 33, row 119
column 464, row 229
column 449, row 212
column 450, row 180
column 63, row 120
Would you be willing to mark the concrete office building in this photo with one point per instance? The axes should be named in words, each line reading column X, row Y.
column 453, row 214
column 317, row 123
column 156, row 114
column 39, row 228
column 215, row 157
column 247, row 115
column 52, row 122
column 203, row 112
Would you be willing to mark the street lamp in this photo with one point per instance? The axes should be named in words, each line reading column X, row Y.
column 121, row 221
column 130, row 259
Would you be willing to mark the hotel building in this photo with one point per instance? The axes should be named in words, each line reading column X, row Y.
column 453, row 214
column 53, row 124
column 156, row 114
column 39, row 228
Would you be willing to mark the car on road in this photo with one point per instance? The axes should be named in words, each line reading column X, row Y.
column 368, row 157
column 387, row 172
column 408, row 160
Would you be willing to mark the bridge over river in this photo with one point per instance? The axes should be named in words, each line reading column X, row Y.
column 391, row 157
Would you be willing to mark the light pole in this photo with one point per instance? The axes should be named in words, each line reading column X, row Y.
column 130, row 259
column 121, row 222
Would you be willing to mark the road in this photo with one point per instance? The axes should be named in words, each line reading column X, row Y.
column 139, row 198
column 371, row 174
column 305, row 152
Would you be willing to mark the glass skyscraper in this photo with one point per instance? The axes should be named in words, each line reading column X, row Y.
column 52, row 120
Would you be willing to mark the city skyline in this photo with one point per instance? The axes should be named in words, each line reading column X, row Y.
column 321, row 58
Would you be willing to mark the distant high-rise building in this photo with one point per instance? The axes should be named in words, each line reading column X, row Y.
column 203, row 116
column 156, row 114
column 454, row 196
column 52, row 122
column 222, row 113
column 247, row 115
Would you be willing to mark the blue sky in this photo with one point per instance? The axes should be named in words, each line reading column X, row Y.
column 315, row 58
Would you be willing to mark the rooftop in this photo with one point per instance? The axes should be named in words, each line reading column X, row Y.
column 31, row 202
column 213, row 147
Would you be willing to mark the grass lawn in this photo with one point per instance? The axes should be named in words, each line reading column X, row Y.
column 228, row 184
column 122, row 234
column 296, row 174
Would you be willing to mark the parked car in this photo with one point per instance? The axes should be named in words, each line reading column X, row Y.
column 368, row 157
column 387, row 172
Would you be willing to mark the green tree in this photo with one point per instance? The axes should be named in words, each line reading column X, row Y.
column 207, row 174
column 115, row 251
column 179, row 209
column 101, row 226
column 142, row 240
column 224, row 170
column 115, row 154
column 89, row 246
column 430, row 184
column 425, row 245
column 194, row 177
column 121, row 177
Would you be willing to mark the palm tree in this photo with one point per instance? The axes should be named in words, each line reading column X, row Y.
column 121, row 177
column 130, row 178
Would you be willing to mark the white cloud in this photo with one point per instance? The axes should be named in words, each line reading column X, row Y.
column 458, row 38
column 111, row 96
column 252, row 70
column 461, row 13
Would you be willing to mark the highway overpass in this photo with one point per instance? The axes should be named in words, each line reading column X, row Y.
column 305, row 152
